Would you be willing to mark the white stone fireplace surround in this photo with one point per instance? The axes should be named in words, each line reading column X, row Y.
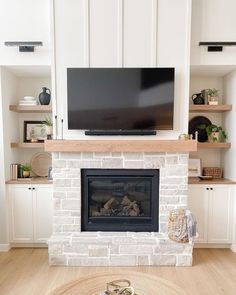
column 69, row 246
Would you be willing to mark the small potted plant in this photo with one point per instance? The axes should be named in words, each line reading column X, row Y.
column 213, row 96
column 215, row 133
column 26, row 168
column 47, row 122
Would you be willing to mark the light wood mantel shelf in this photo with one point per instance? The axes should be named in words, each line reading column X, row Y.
column 120, row 146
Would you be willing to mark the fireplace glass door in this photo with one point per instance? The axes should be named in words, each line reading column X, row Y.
column 120, row 200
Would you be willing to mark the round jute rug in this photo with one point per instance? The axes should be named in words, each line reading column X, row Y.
column 144, row 284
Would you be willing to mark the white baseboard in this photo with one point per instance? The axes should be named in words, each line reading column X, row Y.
column 5, row 247
column 233, row 248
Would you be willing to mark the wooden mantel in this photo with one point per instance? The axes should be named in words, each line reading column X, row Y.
column 68, row 146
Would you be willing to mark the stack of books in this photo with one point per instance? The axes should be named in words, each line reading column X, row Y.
column 28, row 101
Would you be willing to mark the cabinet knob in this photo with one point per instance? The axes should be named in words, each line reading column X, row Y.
column 207, row 188
column 29, row 188
column 33, row 188
column 211, row 189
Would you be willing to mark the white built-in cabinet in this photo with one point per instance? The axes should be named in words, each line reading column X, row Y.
column 30, row 213
column 212, row 206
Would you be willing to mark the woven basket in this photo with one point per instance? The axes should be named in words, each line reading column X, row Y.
column 177, row 226
column 215, row 172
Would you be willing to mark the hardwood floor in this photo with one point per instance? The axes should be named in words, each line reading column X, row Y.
column 26, row 272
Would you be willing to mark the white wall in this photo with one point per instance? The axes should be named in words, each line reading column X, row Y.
column 213, row 20
column 3, row 206
column 25, row 20
column 129, row 33
column 8, row 131
column 229, row 122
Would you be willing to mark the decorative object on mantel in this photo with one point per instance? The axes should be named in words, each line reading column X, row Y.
column 44, row 96
column 194, row 126
column 214, row 172
column 182, row 226
column 40, row 164
column 62, row 128
column 197, row 98
column 34, row 131
column 55, row 136
column 194, row 167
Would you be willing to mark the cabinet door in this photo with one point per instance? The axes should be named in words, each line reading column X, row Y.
column 42, row 212
column 220, row 214
column 198, row 204
column 21, row 214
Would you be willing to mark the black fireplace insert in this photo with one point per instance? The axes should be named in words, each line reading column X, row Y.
column 120, row 200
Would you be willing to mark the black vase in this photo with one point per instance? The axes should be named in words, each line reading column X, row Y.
column 44, row 97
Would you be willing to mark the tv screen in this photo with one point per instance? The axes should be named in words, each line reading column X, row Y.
column 120, row 98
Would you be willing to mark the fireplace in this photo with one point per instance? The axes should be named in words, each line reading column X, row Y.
column 120, row 200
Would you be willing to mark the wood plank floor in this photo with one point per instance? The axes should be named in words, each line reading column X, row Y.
column 26, row 272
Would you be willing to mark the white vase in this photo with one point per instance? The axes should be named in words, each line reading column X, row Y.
column 48, row 130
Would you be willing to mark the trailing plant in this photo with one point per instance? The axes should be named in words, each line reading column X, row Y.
column 211, row 129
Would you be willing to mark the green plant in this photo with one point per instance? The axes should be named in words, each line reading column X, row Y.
column 47, row 121
column 213, row 92
column 211, row 129
column 25, row 167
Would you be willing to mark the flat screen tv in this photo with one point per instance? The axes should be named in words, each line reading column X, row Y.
column 120, row 98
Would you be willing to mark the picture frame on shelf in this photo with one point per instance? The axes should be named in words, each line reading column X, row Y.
column 34, row 131
column 194, row 167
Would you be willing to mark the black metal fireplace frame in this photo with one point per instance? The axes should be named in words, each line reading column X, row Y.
column 136, row 224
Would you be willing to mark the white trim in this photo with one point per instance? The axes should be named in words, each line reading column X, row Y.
column 87, row 59
column 5, row 247
column 184, row 127
column 120, row 34
column 153, row 54
column 53, row 70
column 233, row 248
column 213, row 246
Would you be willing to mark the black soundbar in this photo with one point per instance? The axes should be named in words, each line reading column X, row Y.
column 120, row 132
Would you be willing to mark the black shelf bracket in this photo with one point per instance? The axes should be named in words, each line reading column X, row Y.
column 24, row 46
column 216, row 46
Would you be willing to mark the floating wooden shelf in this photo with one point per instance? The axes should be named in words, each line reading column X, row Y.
column 31, row 109
column 33, row 180
column 27, row 145
column 196, row 180
column 120, row 146
column 210, row 108
column 215, row 145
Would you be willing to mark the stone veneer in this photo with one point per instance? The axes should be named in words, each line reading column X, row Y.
column 69, row 246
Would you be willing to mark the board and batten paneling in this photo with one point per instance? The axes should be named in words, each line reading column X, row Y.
column 173, row 50
column 105, row 33
column 122, row 33
column 139, row 33
column 71, row 46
